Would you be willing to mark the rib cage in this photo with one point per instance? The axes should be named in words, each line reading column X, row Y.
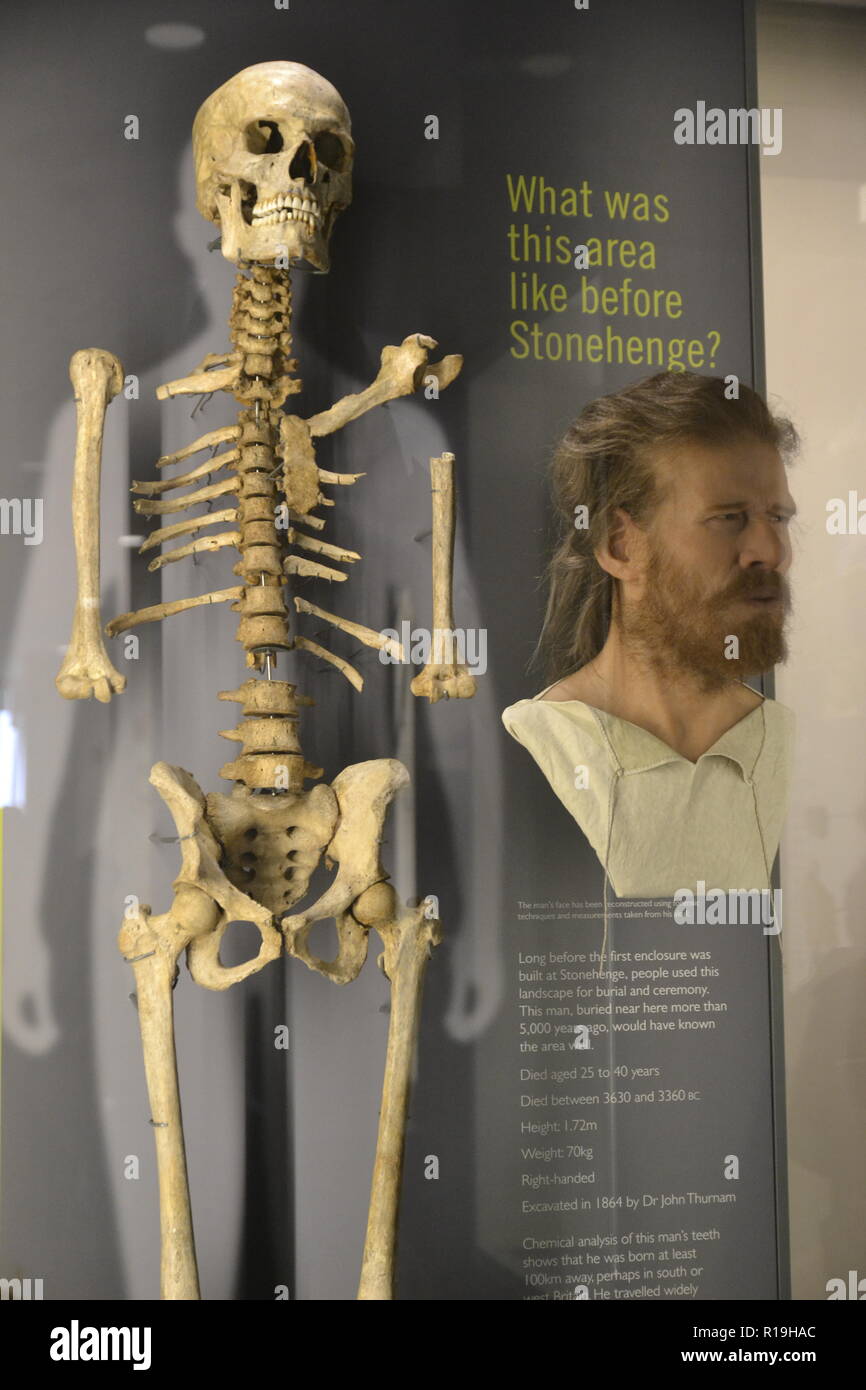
column 277, row 486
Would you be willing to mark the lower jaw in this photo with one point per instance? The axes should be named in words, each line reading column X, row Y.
column 291, row 240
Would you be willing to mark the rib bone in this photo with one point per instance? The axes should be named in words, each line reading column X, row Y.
column 333, row 552
column 206, row 441
column 316, row 522
column 352, row 675
column 363, row 634
column 204, row 379
column 97, row 376
column 310, row 569
column 212, row 465
column 180, row 504
column 195, row 548
column 157, row 611
column 345, row 479
column 185, row 528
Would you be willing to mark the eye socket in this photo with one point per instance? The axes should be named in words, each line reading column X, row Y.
column 263, row 137
column 330, row 150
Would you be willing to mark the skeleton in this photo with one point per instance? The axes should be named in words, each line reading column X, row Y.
column 273, row 155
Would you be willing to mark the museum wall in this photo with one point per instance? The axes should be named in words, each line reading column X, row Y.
column 811, row 62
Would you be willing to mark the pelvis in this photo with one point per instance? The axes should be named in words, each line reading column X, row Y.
column 254, row 856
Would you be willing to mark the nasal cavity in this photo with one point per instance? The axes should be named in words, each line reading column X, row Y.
column 302, row 165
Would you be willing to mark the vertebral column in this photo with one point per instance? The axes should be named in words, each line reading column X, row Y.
column 261, row 331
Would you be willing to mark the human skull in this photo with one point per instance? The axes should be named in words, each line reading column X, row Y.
column 273, row 163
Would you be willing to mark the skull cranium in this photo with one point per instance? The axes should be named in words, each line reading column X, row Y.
column 273, row 160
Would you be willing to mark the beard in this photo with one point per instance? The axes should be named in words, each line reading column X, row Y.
column 682, row 631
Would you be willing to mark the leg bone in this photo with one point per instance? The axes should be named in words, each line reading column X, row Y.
column 408, row 940
column 152, row 945
column 204, row 903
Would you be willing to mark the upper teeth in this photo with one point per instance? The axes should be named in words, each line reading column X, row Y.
column 287, row 207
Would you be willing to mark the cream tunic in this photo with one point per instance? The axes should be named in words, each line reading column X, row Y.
column 657, row 821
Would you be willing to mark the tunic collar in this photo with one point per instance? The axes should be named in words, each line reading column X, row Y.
column 637, row 750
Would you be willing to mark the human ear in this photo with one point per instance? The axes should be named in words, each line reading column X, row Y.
column 621, row 554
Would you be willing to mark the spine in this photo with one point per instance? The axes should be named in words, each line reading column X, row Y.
column 270, row 757
column 260, row 325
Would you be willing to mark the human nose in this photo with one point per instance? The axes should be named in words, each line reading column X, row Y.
column 765, row 542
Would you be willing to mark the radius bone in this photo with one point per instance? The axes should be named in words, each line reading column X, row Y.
column 97, row 377
column 443, row 677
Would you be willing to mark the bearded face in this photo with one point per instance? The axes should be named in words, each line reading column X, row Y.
column 681, row 626
column 714, row 600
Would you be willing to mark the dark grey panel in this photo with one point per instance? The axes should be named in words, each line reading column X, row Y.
column 104, row 247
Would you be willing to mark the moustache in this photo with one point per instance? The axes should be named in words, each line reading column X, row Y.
column 768, row 586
